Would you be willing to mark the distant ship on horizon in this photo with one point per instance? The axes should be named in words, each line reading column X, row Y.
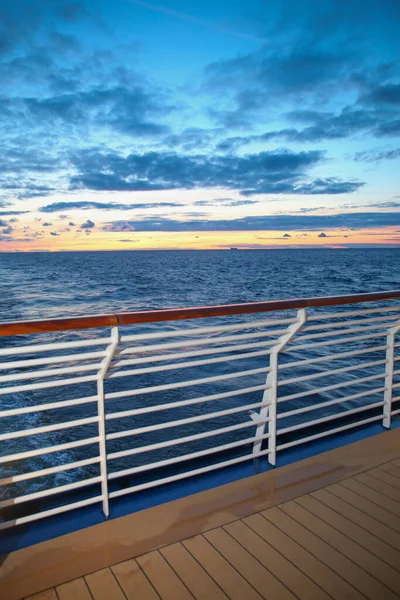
column 233, row 248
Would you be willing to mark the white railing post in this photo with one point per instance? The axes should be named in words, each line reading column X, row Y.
column 270, row 396
column 387, row 407
column 101, row 414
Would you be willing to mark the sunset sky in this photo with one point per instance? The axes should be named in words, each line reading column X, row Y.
column 127, row 124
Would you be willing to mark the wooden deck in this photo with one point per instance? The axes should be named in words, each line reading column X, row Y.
column 340, row 540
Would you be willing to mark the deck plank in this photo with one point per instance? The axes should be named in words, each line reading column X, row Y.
column 134, row 583
column 390, row 468
column 379, row 486
column 349, row 528
column 335, row 560
column 46, row 595
column 385, row 477
column 162, row 577
column 196, row 579
column 228, row 578
column 367, row 522
column 282, row 568
column 371, row 509
column 372, row 494
column 385, row 576
column 261, row 578
column 395, row 462
column 74, row 590
column 103, row 586
column 311, row 566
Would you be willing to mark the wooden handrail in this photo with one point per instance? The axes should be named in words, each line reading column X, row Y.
column 175, row 314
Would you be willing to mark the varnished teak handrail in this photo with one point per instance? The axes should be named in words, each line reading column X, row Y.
column 176, row 314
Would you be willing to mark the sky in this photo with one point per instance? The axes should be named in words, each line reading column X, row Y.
column 127, row 124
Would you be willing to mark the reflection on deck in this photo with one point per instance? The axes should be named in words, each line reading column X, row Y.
column 325, row 527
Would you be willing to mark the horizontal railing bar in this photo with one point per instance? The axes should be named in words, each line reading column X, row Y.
column 187, row 365
column 184, row 457
column 309, row 361
column 187, row 421
column 47, row 428
column 329, row 388
column 46, row 384
column 396, row 372
column 315, row 336
column 50, row 492
column 317, row 436
column 184, row 440
column 50, row 513
column 395, row 386
column 48, row 450
column 200, row 342
column 352, row 313
column 50, row 406
column 153, row 316
column 396, row 412
column 375, row 363
column 50, row 471
column 49, row 373
column 358, row 338
column 192, row 473
column 178, row 355
column 180, row 403
column 35, row 362
column 182, row 384
column 53, row 346
column 328, row 418
column 354, row 322
column 197, row 331
column 299, row 411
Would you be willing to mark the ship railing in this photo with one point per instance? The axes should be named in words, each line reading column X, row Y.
column 94, row 408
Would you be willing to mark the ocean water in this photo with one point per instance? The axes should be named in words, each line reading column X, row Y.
column 44, row 285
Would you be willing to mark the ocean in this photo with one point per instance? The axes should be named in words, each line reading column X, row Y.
column 45, row 285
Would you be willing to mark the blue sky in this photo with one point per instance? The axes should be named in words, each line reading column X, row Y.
column 198, row 117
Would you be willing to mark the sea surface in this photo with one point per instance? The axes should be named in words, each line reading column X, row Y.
column 45, row 285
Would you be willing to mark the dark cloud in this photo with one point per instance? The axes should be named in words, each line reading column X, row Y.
column 88, row 224
column 128, row 241
column 376, row 156
column 54, row 233
column 281, row 171
column 87, row 205
column 224, row 202
column 287, row 235
column 5, row 213
column 353, row 220
column 322, row 235
column 47, row 224
column 71, row 224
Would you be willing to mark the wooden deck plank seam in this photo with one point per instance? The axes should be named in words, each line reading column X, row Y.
column 365, row 499
column 316, row 556
column 285, row 557
column 358, row 565
column 225, row 559
column 373, row 490
column 366, row 545
column 335, row 550
column 255, row 557
column 172, row 568
column 250, row 554
column 115, row 578
column 140, row 569
column 200, row 565
column 358, row 525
